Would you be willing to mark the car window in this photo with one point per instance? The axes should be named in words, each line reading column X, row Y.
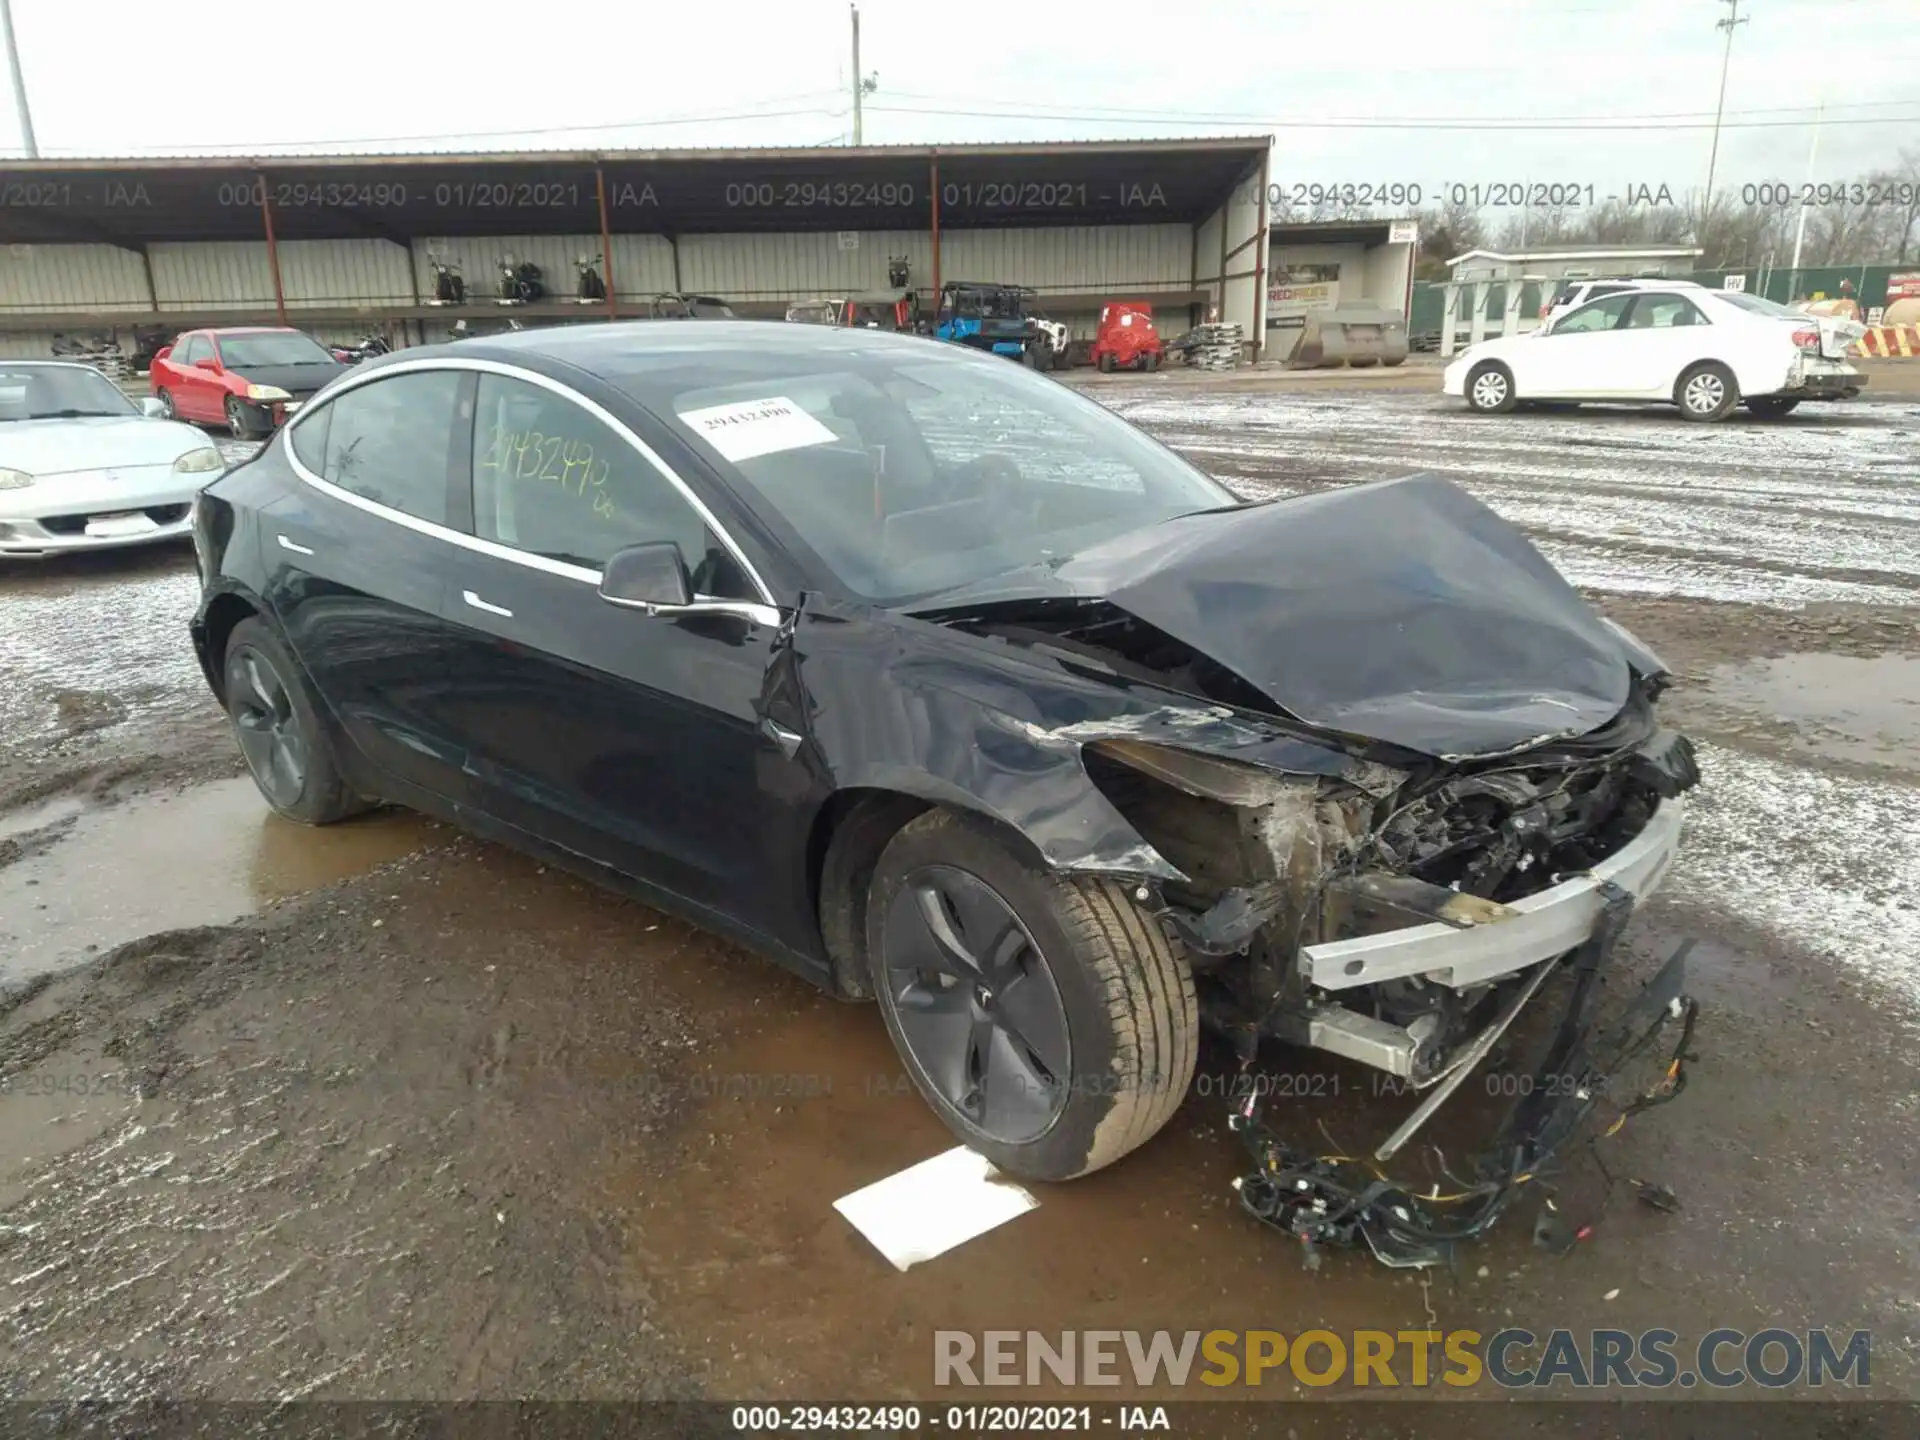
column 388, row 441
column 309, row 439
column 909, row 470
column 1758, row 305
column 555, row 481
column 1594, row 316
column 1662, row 312
column 51, row 392
column 273, row 347
column 193, row 352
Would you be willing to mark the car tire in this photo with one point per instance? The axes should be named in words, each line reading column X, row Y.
column 1489, row 389
column 1151, row 361
column 1099, row 1048
column 1030, row 357
column 1106, row 364
column 238, row 423
column 165, row 397
column 279, row 734
column 1772, row 407
column 1706, row 392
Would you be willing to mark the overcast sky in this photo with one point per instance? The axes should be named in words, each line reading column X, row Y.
column 122, row 78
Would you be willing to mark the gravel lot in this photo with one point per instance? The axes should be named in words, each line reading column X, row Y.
column 385, row 1112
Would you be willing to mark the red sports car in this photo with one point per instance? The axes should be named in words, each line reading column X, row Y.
column 247, row 379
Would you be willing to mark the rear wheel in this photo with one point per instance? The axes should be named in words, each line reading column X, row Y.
column 1706, row 392
column 1490, row 389
column 1046, row 1020
column 1150, row 361
column 273, row 719
column 1772, row 407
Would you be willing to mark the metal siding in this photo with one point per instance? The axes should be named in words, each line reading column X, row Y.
column 1098, row 260
column 220, row 275
column 333, row 272
column 26, row 345
column 71, row 277
column 643, row 264
column 796, row 266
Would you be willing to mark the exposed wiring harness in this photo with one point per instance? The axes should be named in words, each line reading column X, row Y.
column 1348, row 1201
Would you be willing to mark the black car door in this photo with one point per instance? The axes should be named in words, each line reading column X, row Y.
column 628, row 738
column 359, row 560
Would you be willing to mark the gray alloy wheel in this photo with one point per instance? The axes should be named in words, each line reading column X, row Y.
column 166, row 404
column 976, row 1005
column 286, row 750
column 261, row 704
column 1047, row 1019
column 1490, row 389
column 1706, row 392
column 237, row 422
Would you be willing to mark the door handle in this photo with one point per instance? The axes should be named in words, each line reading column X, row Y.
column 295, row 547
column 479, row 604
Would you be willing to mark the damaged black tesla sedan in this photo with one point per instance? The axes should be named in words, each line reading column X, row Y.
column 944, row 686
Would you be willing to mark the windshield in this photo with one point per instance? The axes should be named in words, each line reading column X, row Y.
column 1759, row 306
column 274, row 347
column 911, row 471
column 54, row 392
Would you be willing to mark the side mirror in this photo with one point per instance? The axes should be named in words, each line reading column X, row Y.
column 212, row 362
column 151, row 407
column 647, row 577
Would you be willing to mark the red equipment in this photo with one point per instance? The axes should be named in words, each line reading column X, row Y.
column 1127, row 339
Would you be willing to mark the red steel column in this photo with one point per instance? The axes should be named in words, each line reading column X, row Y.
column 273, row 248
column 606, row 244
column 935, row 163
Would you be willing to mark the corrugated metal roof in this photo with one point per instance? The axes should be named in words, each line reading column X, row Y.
column 1224, row 144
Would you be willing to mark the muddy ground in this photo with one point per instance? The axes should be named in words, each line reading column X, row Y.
column 385, row 1112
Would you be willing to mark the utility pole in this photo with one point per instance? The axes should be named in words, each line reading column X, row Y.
column 862, row 84
column 1800, row 226
column 19, row 85
column 1727, row 22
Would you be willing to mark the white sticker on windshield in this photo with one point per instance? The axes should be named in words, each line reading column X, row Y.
column 757, row 427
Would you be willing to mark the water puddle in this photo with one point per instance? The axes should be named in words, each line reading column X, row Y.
column 1841, row 707
column 206, row 856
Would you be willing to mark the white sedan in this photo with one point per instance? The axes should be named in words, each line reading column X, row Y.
column 1703, row 350
column 83, row 468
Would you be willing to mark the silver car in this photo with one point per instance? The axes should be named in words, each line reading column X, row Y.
column 83, row 468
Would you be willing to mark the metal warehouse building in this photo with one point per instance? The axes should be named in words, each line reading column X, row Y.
column 341, row 244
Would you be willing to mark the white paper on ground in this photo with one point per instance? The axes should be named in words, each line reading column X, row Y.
column 929, row 1208
column 756, row 427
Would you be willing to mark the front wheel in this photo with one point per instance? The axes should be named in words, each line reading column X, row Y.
column 280, row 736
column 1106, row 363
column 1490, row 389
column 1772, row 407
column 165, row 397
column 1707, row 392
column 239, row 424
column 1046, row 1019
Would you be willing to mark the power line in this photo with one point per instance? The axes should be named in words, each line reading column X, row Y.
column 265, row 147
column 1494, row 124
column 1017, row 108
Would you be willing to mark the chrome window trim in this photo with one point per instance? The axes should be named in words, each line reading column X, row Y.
column 702, row 605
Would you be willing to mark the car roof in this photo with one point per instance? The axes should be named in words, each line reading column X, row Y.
column 1636, row 282
column 245, row 330
column 597, row 346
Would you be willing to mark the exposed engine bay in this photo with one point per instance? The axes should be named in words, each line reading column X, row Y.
column 1299, row 888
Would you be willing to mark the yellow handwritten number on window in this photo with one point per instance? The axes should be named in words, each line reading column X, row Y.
column 569, row 464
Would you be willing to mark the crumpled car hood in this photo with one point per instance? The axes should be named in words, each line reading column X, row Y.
column 1405, row 612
